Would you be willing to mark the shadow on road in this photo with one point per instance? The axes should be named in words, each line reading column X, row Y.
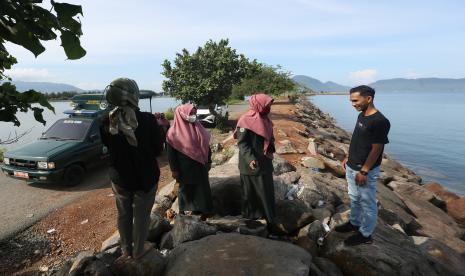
column 94, row 179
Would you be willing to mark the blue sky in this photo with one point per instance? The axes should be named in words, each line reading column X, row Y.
column 349, row 42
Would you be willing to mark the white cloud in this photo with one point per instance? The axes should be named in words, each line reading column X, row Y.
column 366, row 76
column 29, row 74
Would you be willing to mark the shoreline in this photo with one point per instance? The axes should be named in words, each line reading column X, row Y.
column 426, row 170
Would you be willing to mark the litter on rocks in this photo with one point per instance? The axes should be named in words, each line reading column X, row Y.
column 84, row 221
column 29, row 215
column 51, row 231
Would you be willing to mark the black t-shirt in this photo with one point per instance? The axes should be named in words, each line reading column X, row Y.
column 135, row 168
column 372, row 129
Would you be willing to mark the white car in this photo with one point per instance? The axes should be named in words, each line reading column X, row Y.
column 207, row 118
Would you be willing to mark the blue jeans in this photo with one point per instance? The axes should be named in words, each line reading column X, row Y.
column 363, row 207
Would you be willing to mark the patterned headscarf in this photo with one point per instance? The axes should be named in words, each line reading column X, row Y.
column 124, row 94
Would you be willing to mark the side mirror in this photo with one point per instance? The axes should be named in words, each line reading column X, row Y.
column 93, row 137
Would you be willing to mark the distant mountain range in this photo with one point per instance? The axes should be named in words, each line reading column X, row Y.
column 45, row 87
column 318, row 86
column 389, row 85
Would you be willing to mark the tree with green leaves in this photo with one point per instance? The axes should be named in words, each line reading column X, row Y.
column 269, row 79
column 26, row 23
column 205, row 77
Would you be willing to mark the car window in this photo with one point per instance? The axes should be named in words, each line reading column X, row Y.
column 67, row 129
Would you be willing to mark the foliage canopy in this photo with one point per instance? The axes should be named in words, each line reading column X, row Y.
column 206, row 76
column 268, row 79
column 26, row 23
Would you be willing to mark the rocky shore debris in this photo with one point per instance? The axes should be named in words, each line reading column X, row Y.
column 415, row 234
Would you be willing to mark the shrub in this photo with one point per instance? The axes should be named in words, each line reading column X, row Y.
column 169, row 114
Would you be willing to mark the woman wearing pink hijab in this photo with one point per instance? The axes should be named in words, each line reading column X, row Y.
column 188, row 147
column 254, row 132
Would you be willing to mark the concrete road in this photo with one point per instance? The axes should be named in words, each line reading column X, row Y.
column 236, row 110
column 22, row 203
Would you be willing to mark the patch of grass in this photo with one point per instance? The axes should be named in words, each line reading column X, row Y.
column 169, row 114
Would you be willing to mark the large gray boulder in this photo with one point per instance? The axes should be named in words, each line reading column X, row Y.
column 281, row 165
column 417, row 191
column 441, row 253
column 90, row 265
column 157, row 226
column 152, row 263
column 327, row 267
column 280, row 188
column 285, row 147
column 291, row 215
column 235, row 254
column 226, row 195
column 187, row 228
column 435, row 223
column 290, row 177
column 239, row 225
column 390, row 201
column 392, row 253
column 322, row 187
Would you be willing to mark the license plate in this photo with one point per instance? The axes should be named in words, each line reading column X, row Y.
column 21, row 174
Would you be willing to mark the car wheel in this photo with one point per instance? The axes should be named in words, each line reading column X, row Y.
column 74, row 175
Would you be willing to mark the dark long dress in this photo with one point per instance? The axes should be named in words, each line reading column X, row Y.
column 194, row 188
column 257, row 185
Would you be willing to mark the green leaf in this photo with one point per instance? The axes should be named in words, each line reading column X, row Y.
column 72, row 46
column 20, row 35
column 66, row 10
column 38, row 115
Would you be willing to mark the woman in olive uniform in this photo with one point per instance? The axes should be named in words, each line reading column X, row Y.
column 254, row 133
column 190, row 160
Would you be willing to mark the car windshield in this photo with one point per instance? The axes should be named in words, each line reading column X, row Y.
column 68, row 129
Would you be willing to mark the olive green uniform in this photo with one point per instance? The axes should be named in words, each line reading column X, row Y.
column 194, row 188
column 257, row 184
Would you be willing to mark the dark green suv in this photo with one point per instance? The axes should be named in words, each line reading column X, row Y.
column 68, row 149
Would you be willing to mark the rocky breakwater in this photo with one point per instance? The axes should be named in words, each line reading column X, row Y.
column 415, row 235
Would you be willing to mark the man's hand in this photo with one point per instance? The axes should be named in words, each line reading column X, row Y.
column 175, row 175
column 361, row 179
column 253, row 164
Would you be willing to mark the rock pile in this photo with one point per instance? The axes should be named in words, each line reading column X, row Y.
column 414, row 236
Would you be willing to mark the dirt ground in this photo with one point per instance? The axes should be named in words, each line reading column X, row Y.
column 88, row 221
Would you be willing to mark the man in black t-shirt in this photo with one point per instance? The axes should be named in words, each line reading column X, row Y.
column 363, row 165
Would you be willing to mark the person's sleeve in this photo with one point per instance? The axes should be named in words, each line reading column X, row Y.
column 243, row 142
column 104, row 132
column 157, row 137
column 172, row 158
column 381, row 131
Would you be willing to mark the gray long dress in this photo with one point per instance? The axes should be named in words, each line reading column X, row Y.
column 258, row 198
column 194, row 188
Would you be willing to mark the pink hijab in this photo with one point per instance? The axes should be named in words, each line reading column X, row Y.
column 257, row 119
column 191, row 139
